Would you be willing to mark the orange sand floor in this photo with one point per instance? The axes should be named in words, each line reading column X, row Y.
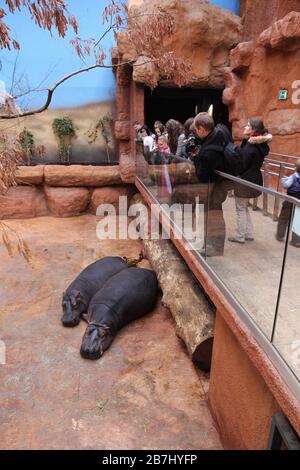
column 144, row 393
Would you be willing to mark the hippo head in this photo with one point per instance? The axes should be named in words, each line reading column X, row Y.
column 72, row 307
column 97, row 339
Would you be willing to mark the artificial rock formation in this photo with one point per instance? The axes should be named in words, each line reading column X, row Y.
column 110, row 196
column 81, row 175
column 62, row 191
column 258, row 15
column 203, row 35
column 23, row 202
column 30, row 174
column 67, row 202
column 258, row 70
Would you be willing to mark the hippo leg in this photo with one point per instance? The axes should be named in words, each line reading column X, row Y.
column 96, row 340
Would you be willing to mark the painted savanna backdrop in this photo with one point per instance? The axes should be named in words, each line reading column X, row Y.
column 78, row 126
column 89, row 138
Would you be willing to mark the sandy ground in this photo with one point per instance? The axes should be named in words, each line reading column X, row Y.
column 144, row 393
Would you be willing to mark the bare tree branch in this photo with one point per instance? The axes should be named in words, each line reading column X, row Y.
column 52, row 89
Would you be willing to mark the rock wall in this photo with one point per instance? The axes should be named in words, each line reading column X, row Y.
column 258, row 70
column 204, row 34
column 62, row 191
column 258, row 15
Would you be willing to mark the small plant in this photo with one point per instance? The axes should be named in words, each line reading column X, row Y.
column 104, row 126
column 63, row 129
column 26, row 140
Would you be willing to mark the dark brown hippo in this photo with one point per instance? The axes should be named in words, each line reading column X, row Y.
column 77, row 297
column 125, row 297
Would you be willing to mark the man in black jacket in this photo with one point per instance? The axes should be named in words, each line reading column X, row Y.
column 209, row 159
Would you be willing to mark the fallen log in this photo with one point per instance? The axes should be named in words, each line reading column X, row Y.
column 193, row 315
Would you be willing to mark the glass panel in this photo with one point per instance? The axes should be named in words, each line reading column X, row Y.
column 173, row 184
column 242, row 236
column 287, row 330
column 243, row 250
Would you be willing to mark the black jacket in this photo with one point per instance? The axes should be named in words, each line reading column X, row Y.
column 253, row 153
column 210, row 157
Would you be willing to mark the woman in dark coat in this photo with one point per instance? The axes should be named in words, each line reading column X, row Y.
column 253, row 150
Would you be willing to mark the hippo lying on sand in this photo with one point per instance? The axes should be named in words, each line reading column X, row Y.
column 77, row 297
column 125, row 297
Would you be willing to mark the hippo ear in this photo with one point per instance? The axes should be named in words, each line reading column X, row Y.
column 76, row 294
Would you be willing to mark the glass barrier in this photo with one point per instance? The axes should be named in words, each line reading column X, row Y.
column 246, row 250
column 286, row 331
column 172, row 183
column 243, row 251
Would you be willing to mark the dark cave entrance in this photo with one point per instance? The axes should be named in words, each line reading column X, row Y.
column 165, row 103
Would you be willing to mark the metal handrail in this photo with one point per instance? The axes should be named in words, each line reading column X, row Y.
column 285, row 155
column 264, row 342
column 262, row 189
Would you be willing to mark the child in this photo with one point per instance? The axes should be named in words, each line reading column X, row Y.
column 292, row 184
column 162, row 144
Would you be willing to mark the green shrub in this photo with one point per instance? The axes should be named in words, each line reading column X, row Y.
column 63, row 129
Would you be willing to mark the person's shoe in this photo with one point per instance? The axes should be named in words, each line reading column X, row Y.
column 295, row 244
column 249, row 239
column 279, row 239
column 235, row 240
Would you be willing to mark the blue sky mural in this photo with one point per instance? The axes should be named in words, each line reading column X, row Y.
column 233, row 5
column 44, row 59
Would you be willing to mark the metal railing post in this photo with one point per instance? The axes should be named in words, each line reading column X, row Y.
column 277, row 201
column 266, row 185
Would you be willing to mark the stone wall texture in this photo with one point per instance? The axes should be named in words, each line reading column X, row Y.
column 62, row 191
column 258, row 70
column 258, row 15
column 204, row 35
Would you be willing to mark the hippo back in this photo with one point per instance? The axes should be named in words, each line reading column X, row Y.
column 94, row 276
column 126, row 296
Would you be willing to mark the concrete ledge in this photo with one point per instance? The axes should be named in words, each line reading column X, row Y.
column 81, row 175
column 30, row 175
column 66, row 176
column 22, row 202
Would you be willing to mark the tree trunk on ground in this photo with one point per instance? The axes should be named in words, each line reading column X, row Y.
column 193, row 315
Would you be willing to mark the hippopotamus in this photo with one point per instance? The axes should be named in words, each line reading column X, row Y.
column 77, row 297
column 125, row 297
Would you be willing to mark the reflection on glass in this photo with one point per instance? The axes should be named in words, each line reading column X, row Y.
column 287, row 328
column 172, row 182
column 251, row 264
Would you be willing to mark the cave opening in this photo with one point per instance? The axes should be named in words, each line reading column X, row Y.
column 165, row 103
